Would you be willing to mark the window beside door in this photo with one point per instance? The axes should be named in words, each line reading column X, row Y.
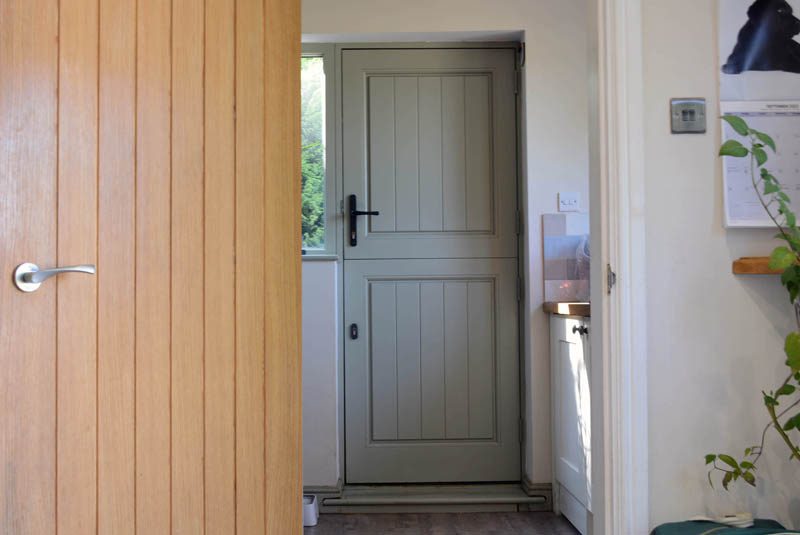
column 318, row 192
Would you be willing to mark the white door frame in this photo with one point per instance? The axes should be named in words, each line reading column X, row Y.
column 619, row 376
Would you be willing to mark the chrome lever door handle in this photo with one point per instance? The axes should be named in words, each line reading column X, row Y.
column 28, row 277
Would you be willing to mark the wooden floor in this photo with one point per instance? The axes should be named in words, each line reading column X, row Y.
column 443, row 524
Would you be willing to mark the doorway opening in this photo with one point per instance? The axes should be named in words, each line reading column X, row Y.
column 442, row 273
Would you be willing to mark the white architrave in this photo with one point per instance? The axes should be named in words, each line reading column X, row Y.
column 619, row 375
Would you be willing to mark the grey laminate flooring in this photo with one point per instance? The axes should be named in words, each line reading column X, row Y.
column 442, row 524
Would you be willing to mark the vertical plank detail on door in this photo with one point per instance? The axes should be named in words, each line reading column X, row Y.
column 383, row 364
column 250, row 272
column 408, row 361
column 478, row 140
column 282, row 234
column 187, row 315
column 382, row 154
column 28, row 109
column 76, row 373
column 407, row 151
column 432, row 359
column 116, row 269
column 153, row 266
column 219, row 253
column 456, row 360
column 480, row 334
column 430, row 153
column 454, row 211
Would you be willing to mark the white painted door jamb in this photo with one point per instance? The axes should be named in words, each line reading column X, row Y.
column 620, row 446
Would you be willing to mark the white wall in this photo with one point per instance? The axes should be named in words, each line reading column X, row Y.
column 555, row 123
column 714, row 339
column 320, row 361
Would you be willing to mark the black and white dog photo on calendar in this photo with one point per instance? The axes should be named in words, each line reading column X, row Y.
column 759, row 49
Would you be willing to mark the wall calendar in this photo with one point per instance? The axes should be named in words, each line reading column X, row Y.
column 781, row 120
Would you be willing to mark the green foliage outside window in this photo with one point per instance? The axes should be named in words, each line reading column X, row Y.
column 313, row 152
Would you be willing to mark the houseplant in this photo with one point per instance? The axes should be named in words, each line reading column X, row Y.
column 782, row 404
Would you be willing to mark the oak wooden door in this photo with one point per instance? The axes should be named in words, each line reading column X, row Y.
column 432, row 379
column 158, row 140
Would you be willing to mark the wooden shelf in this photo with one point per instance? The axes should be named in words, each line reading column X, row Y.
column 568, row 309
column 753, row 265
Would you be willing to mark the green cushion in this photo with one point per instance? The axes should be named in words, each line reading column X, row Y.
column 761, row 527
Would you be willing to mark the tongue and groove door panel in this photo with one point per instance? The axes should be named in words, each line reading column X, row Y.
column 429, row 142
column 432, row 379
column 162, row 394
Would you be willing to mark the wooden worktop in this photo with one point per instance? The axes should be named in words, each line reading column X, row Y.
column 568, row 309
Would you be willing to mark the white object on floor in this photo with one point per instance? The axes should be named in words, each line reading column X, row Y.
column 739, row 520
column 310, row 510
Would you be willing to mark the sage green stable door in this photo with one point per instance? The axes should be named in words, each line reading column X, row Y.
column 431, row 311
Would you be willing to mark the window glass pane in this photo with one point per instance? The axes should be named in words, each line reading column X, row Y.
column 313, row 155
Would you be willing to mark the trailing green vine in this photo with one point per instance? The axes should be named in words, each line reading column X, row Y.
column 782, row 403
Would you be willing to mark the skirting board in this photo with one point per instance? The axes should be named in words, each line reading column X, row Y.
column 322, row 492
column 544, row 490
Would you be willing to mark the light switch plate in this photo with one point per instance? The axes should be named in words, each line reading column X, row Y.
column 569, row 201
column 688, row 115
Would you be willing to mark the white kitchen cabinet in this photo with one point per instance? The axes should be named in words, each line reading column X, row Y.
column 571, row 406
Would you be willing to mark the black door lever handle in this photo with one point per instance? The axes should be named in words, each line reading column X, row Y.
column 354, row 213
column 359, row 212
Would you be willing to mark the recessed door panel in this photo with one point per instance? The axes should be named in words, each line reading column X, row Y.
column 431, row 390
column 429, row 143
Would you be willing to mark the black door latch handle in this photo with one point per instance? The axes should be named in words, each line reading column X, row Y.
column 354, row 213
column 353, row 332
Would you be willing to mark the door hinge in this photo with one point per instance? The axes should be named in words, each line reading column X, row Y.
column 520, row 289
column 341, row 206
column 611, row 279
column 517, row 81
column 520, row 226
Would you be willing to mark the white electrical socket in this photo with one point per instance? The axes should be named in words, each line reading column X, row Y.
column 569, row 201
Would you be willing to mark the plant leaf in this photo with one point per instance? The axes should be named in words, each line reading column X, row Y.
column 791, row 280
column 792, row 423
column 792, row 349
column 760, row 155
column 738, row 124
column 727, row 480
column 710, row 458
column 750, row 478
column 765, row 139
column 730, row 461
column 747, row 465
column 785, row 390
column 770, row 187
column 733, row 148
column 781, row 258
